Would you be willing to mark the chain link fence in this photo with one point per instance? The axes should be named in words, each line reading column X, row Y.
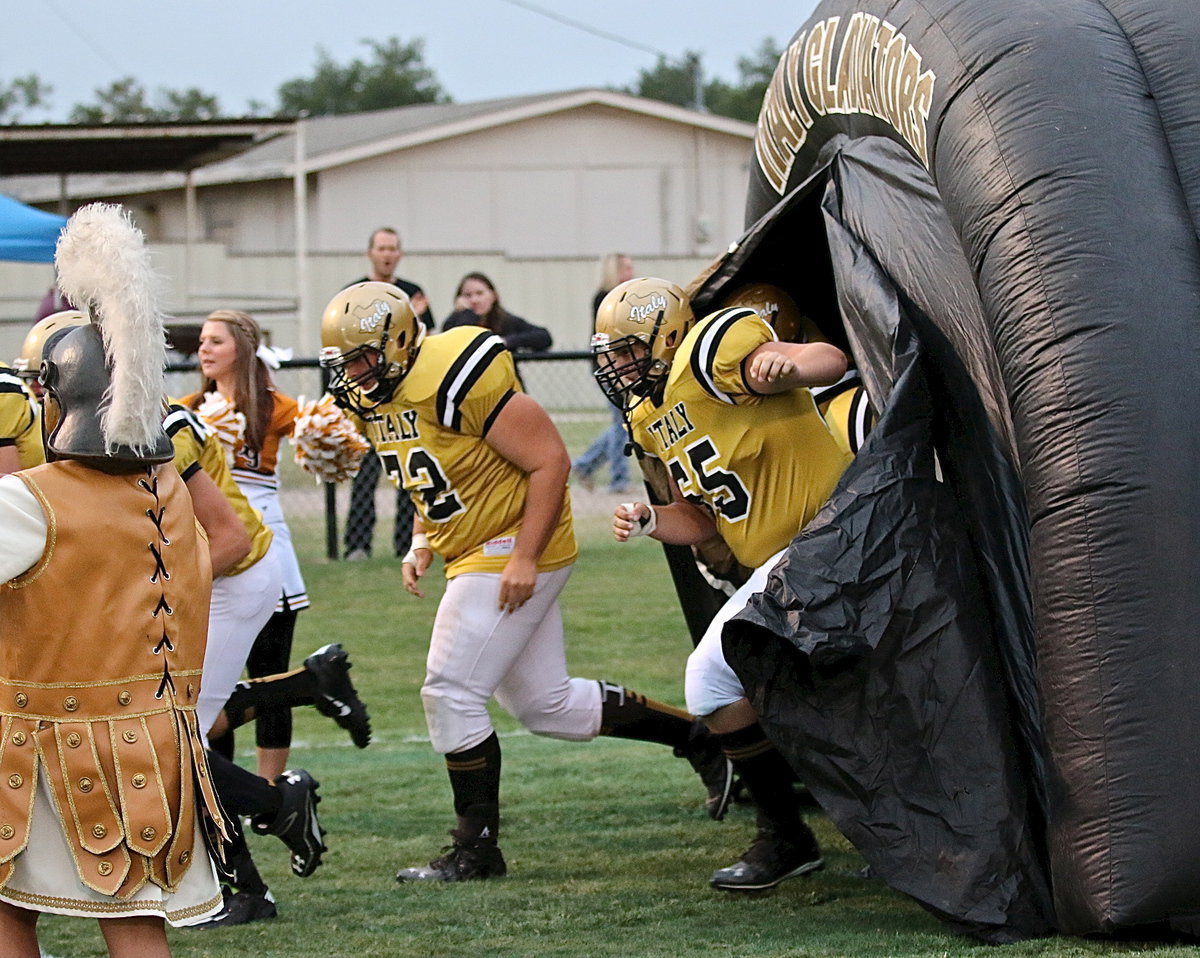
column 321, row 516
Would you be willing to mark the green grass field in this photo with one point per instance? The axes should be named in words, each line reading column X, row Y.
column 608, row 846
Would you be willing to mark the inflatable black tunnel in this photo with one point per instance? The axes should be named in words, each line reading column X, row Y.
column 980, row 654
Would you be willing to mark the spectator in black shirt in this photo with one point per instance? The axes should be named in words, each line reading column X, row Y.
column 385, row 251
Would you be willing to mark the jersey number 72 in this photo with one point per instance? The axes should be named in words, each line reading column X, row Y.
column 427, row 479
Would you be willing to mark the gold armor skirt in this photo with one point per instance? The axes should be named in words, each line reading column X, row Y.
column 45, row 878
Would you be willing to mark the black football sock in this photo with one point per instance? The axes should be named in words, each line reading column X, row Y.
column 242, row 792
column 767, row 777
column 269, row 657
column 479, row 823
column 475, row 775
column 223, row 744
column 237, row 857
column 628, row 714
column 298, row 687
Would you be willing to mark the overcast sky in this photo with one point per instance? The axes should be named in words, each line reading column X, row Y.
column 244, row 49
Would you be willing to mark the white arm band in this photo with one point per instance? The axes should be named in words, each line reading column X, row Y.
column 419, row 541
column 642, row 527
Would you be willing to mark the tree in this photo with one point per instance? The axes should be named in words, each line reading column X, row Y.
column 671, row 81
column 125, row 101
column 395, row 75
column 190, row 104
column 743, row 101
column 22, row 93
column 122, row 101
column 674, row 81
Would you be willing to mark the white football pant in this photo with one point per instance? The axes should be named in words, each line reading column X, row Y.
column 709, row 683
column 477, row 652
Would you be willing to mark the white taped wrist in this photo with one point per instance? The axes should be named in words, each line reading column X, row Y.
column 642, row 527
column 419, row 541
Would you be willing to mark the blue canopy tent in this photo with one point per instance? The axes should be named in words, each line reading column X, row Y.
column 27, row 235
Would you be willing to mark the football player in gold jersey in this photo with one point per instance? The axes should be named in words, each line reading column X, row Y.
column 487, row 471
column 20, row 414
column 728, row 409
column 20, row 432
column 844, row 405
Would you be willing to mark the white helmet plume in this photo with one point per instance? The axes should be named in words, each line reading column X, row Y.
column 104, row 267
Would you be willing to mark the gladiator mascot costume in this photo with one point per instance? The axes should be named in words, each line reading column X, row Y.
column 105, row 798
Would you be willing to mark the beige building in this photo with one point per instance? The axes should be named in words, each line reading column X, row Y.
column 531, row 190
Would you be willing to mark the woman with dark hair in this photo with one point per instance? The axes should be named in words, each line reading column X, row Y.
column 481, row 307
column 239, row 401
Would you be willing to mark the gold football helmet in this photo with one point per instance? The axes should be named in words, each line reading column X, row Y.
column 639, row 325
column 369, row 339
column 778, row 309
column 29, row 364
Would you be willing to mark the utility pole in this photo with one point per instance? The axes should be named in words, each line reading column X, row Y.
column 697, row 69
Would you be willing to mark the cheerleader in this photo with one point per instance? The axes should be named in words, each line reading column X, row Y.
column 251, row 417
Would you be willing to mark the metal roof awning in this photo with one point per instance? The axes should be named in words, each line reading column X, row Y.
column 130, row 147
column 65, row 149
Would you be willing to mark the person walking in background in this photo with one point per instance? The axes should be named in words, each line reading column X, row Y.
column 609, row 446
column 21, row 392
column 243, row 601
column 483, row 309
column 385, row 251
column 251, row 417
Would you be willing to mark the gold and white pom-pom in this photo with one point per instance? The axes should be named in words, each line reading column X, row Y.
column 328, row 446
column 227, row 423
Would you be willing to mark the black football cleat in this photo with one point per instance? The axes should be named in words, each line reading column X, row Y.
column 296, row 824
column 241, row 908
column 336, row 696
column 468, row 861
column 769, row 861
column 714, row 768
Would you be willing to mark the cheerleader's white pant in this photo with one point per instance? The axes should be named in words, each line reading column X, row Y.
column 241, row 605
